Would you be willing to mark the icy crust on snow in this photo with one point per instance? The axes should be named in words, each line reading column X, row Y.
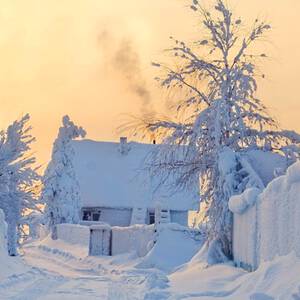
column 110, row 179
column 240, row 203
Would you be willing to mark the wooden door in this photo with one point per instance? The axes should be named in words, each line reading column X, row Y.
column 96, row 242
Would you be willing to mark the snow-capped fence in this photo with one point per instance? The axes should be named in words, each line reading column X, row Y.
column 267, row 223
column 245, row 230
column 115, row 240
column 73, row 234
column 137, row 238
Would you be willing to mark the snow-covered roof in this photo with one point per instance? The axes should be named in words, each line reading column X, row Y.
column 108, row 178
column 267, row 164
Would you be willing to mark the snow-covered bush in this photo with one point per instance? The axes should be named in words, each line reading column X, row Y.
column 61, row 188
column 219, row 118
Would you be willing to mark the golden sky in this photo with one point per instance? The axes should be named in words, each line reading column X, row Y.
column 67, row 57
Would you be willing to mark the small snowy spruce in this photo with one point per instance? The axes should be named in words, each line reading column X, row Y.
column 61, row 188
column 18, row 180
column 218, row 116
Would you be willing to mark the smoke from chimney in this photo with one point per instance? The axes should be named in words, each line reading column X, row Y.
column 125, row 61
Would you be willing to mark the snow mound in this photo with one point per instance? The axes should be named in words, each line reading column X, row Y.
column 278, row 279
column 240, row 203
column 175, row 246
column 209, row 255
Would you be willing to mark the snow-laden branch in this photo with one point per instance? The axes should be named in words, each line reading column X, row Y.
column 220, row 117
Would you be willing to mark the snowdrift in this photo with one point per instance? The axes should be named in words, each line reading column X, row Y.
column 175, row 246
column 277, row 279
column 267, row 223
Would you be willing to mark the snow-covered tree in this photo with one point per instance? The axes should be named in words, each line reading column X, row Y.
column 213, row 83
column 61, row 189
column 18, row 179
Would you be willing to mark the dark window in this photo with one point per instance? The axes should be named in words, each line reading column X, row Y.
column 151, row 217
column 87, row 216
column 96, row 216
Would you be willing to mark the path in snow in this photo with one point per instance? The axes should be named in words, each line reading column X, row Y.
column 54, row 274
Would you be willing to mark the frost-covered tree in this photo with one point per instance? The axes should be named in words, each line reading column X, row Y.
column 213, row 83
column 18, row 179
column 61, row 189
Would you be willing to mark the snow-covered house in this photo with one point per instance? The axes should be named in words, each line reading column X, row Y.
column 114, row 187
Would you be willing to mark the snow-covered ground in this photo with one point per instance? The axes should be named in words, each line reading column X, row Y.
column 279, row 279
column 9, row 266
column 58, row 270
